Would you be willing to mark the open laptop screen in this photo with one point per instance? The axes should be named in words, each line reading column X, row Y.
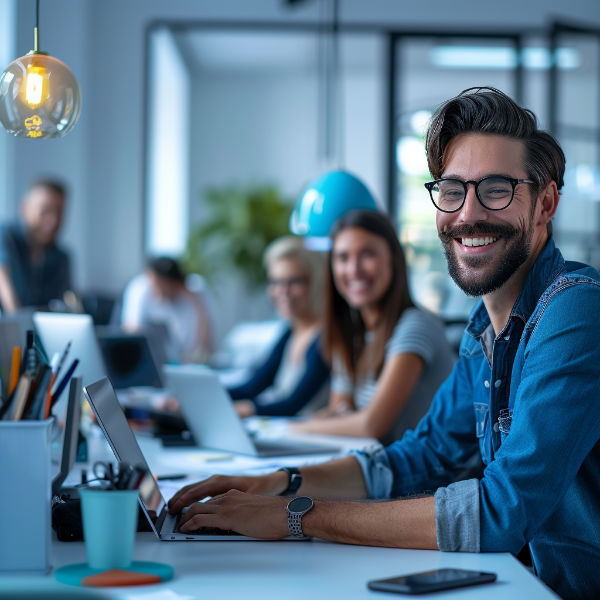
column 112, row 421
column 129, row 361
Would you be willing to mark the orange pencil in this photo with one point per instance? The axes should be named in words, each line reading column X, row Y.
column 15, row 369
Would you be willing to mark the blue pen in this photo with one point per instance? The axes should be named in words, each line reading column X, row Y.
column 63, row 382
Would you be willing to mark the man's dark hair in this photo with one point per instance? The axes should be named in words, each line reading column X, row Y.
column 54, row 185
column 166, row 267
column 488, row 110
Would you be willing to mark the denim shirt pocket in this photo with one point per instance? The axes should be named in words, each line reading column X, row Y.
column 481, row 418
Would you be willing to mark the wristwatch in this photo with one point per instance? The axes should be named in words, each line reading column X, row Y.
column 296, row 509
column 294, row 481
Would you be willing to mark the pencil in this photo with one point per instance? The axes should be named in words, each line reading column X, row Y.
column 15, row 368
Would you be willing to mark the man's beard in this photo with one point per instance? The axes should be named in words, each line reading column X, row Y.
column 517, row 252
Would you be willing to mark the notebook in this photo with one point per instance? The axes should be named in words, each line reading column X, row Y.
column 213, row 421
column 112, row 421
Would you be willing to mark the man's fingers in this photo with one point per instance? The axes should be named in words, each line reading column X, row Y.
column 202, row 520
column 214, row 506
column 198, row 491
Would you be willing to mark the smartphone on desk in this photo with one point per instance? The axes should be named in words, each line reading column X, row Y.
column 431, row 581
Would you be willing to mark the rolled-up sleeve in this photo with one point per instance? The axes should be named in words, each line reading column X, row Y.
column 376, row 470
column 457, row 516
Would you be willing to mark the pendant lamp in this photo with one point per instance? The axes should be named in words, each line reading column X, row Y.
column 39, row 95
column 327, row 197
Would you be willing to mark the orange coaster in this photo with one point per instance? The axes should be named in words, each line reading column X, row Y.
column 119, row 577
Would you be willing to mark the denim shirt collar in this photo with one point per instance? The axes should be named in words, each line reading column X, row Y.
column 548, row 265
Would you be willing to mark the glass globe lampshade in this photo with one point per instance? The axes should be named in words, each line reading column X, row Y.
column 39, row 97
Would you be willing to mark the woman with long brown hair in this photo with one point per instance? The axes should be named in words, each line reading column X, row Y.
column 388, row 356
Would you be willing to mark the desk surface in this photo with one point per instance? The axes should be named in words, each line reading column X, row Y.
column 291, row 570
column 264, row 570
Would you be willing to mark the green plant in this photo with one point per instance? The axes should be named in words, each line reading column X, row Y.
column 240, row 223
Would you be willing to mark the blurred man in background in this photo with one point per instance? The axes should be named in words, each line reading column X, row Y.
column 33, row 269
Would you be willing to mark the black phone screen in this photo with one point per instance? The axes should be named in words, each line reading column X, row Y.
column 431, row 581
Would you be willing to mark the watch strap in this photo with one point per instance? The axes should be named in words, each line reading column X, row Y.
column 295, row 525
column 294, row 481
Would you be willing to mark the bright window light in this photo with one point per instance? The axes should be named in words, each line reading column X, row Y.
column 168, row 150
column 501, row 57
column 410, row 156
column 419, row 121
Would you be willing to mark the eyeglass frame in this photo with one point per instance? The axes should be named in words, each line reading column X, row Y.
column 291, row 282
column 514, row 182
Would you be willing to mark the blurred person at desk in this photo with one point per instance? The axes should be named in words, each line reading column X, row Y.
column 522, row 398
column 388, row 356
column 163, row 296
column 294, row 376
column 33, row 269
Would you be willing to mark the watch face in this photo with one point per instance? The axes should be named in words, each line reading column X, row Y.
column 300, row 505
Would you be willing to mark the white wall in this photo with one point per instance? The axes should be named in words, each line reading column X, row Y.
column 103, row 43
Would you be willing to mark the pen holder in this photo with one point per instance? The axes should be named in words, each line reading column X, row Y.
column 25, row 499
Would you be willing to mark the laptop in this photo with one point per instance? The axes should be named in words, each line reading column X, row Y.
column 129, row 360
column 70, row 435
column 112, row 421
column 56, row 330
column 213, row 421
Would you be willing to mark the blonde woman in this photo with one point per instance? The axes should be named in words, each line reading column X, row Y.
column 294, row 376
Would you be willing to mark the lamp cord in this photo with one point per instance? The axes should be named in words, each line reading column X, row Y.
column 36, row 30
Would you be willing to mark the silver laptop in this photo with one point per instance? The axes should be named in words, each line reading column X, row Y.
column 210, row 414
column 56, row 330
column 112, row 421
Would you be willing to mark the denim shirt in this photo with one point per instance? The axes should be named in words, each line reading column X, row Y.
column 541, row 459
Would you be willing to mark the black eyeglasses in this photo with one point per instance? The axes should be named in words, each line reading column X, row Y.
column 494, row 192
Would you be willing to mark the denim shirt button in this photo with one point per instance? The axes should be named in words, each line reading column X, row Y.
column 496, row 427
column 486, row 384
column 497, row 383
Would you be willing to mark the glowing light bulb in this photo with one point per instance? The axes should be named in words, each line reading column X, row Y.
column 35, row 86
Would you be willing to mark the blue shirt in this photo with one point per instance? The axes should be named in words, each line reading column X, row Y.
column 34, row 284
column 541, row 459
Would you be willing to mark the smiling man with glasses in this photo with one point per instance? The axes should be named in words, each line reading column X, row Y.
column 523, row 398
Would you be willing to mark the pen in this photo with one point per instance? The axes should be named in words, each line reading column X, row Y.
column 61, row 361
column 63, row 382
column 54, row 371
column 172, row 476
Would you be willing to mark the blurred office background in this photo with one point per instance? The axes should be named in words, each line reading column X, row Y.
column 187, row 103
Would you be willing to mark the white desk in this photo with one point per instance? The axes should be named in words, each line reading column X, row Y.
column 287, row 570
column 283, row 570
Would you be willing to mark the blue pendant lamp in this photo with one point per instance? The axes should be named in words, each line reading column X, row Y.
column 326, row 199
column 334, row 193
column 39, row 95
